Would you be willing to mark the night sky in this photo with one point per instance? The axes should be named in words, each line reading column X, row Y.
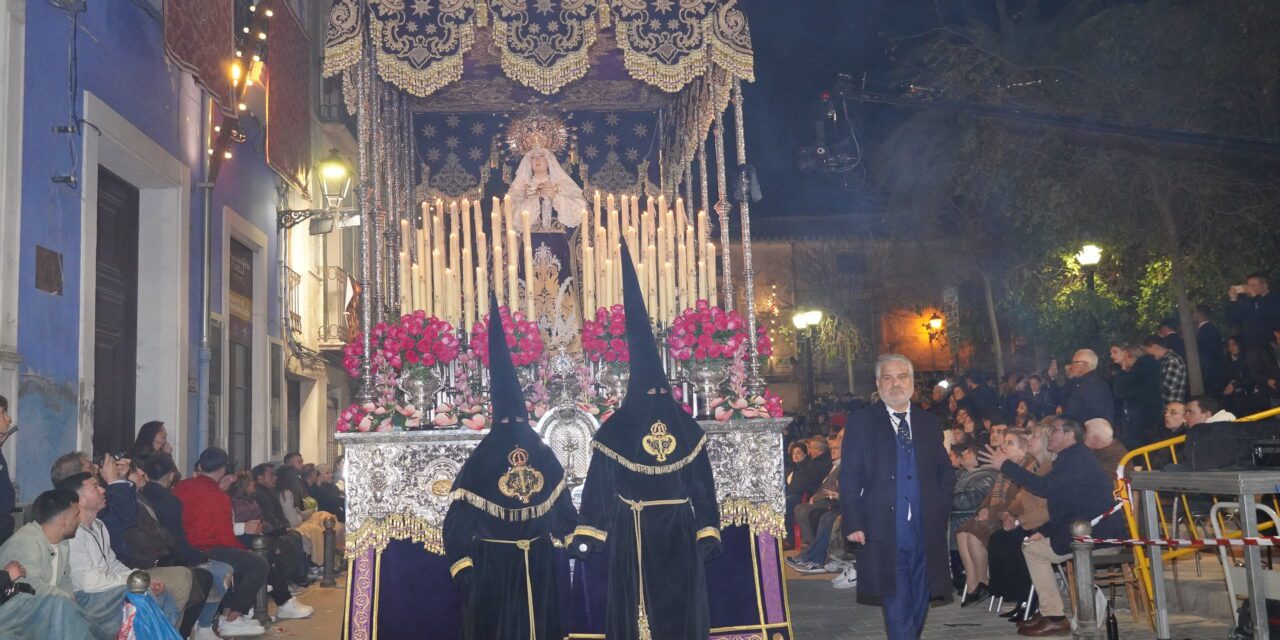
column 800, row 48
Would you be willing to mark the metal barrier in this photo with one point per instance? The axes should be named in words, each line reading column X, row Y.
column 1142, row 565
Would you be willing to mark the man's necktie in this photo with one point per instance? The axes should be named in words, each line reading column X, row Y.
column 904, row 431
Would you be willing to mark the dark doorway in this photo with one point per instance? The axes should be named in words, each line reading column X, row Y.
column 115, row 364
column 240, row 350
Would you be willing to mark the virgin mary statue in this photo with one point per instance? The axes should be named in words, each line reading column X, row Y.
column 555, row 205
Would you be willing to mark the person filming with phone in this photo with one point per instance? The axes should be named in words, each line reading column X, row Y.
column 1256, row 309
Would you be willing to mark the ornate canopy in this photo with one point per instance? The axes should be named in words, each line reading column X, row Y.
column 677, row 57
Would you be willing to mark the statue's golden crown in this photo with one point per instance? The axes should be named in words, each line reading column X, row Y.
column 537, row 130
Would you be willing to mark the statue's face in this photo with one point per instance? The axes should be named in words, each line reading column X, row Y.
column 539, row 164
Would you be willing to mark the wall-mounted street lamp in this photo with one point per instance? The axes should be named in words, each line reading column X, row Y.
column 335, row 177
column 933, row 329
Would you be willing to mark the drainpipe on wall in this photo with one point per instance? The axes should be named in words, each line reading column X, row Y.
column 206, row 308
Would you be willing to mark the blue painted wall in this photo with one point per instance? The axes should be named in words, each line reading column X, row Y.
column 121, row 60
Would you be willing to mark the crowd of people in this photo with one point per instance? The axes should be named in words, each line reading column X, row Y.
column 1035, row 451
column 65, row 572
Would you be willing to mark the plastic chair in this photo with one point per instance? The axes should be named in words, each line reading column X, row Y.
column 1271, row 578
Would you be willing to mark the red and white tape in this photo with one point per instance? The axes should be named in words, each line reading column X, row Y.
column 1259, row 541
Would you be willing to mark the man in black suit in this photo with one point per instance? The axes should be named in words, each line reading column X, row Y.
column 895, row 497
column 1213, row 364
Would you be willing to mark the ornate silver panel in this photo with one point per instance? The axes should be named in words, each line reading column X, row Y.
column 568, row 430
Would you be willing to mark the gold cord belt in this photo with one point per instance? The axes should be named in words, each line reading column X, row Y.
column 523, row 545
column 642, row 620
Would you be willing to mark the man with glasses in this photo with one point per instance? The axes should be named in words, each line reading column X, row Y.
column 7, row 497
column 895, row 500
column 1090, row 395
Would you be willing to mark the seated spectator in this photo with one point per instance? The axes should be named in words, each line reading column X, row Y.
column 304, row 518
column 70, row 464
column 290, row 549
column 1076, row 489
column 26, row 616
column 1175, row 420
column 1100, row 438
column 1202, row 409
column 207, row 519
column 973, row 484
column 152, row 439
column 293, row 459
column 1006, row 568
column 330, row 493
column 161, row 475
column 808, row 477
column 99, row 579
column 972, row 535
column 140, row 542
column 808, row 513
column 36, row 558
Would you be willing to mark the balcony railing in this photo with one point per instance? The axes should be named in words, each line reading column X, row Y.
column 293, row 294
column 336, row 291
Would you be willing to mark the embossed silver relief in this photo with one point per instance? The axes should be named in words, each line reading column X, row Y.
column 410, row 473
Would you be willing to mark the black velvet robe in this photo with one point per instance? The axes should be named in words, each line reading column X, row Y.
column 496, row 596
column 675, row 539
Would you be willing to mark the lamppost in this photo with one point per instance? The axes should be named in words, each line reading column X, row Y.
column 806, row 323
column 336, row 176
column 933, row 329
column 1089, row 257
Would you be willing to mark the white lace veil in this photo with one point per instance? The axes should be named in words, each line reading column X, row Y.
column 569, row 202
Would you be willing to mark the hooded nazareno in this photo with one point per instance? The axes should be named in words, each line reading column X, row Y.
column 650, row 494
column 510, row 506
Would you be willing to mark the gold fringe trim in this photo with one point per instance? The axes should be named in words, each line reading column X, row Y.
column 341, row 56
column 761, row 518
column 670, row 78
column 523, row 514
column 547, row 80
column 590, row 532
column 650, row 469
column 376, row 533
column 464, row 563
column 422, row 82
column 708, row 532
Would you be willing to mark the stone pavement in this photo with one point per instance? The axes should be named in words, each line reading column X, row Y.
column 819, row 612
column 324, row 624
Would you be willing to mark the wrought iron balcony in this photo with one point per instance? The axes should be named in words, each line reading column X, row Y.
column 338, row 301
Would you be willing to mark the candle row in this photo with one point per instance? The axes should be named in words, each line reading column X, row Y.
column 449, row 262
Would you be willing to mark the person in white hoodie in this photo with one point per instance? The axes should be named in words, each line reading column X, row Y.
column 98, row 577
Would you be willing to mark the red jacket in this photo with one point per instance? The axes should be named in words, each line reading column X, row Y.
column 206, row 514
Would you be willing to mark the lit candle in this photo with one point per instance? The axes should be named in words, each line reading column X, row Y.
column 588, row 294
column 482, row 298
column 691, row 273
column 651, row 280
column 416, row 270
column 528, row 264
column 495, row 228
column 608, row 266
column 596, row 216
column 424, row 260
column 668, row 292
column 711, row 273
column 437, row 284
column 513, row 280
column 468, row 291
column 406, row 280
column 482, row 283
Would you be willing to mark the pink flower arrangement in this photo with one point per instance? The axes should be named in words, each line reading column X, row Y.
column 415, row 339
column 599, row 407
column 472, row 416
column 524, row 339
column 605, row 338
column 706, row 332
